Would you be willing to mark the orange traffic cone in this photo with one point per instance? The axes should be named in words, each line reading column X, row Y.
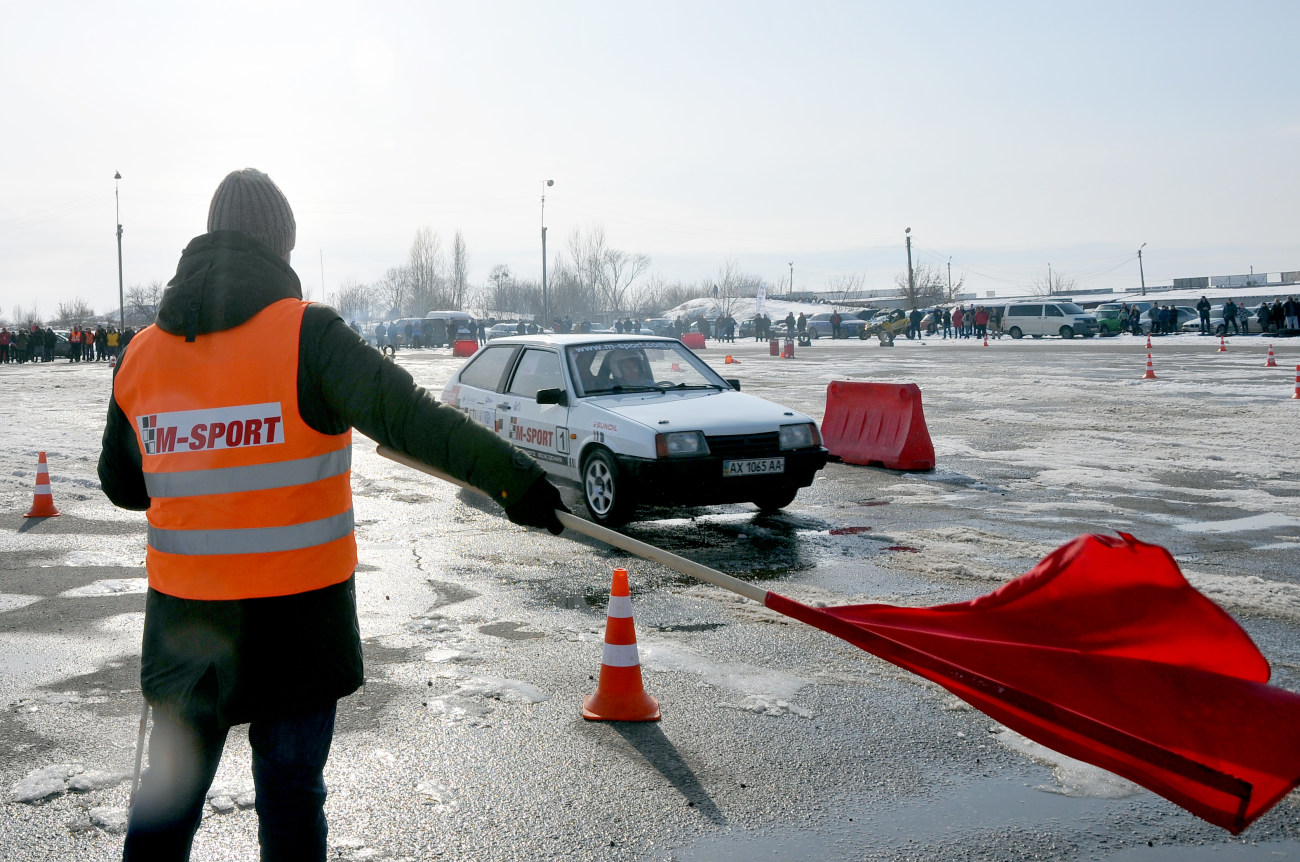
column 1148, row 341
column 620, row 695
column 43, row 501
column 1151, row 372
column 1272, row 362
column 728, row 360
column 112, row 361
column 1297, row 384
column 1223, row 345
column 986, row 341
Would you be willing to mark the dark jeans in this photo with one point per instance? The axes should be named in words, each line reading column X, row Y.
column 289, row 757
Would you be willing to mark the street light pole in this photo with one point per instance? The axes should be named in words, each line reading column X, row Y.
column 1141, row 273
column 792, row 279
column 121, row 295
column 545, row 317
column 911, row 279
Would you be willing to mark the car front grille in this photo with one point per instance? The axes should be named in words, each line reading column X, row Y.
column 745, row 445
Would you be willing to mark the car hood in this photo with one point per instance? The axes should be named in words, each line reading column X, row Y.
column 719, row 412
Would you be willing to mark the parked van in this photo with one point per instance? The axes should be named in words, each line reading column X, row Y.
column 448, row 326
column 1037, row 319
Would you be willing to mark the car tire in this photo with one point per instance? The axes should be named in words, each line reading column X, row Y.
column 1015, row 333
column 1221, row 330
column 776, row 499
column 604, row 489
column 1067, row 332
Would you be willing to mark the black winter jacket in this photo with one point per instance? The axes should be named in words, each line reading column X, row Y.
column 235, row 661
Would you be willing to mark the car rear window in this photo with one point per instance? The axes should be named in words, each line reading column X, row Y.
column 486, row 370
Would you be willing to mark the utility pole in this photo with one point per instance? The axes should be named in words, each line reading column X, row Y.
column 323, row 297
column 911, row 279
column 1050, row 291
column 121, row 301
column 950, row 277
column 1141, row 273
column 545, row 183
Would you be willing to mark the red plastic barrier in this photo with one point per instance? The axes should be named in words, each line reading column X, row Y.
column 693, row 340
column 464, row 348
column 774, row 347
column 877, row 423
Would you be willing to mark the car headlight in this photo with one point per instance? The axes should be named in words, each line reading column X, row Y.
column 799, row 436
column 681, row 444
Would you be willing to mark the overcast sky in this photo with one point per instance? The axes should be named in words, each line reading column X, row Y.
column 1007, row 136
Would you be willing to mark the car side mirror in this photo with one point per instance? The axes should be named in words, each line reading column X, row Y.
column 552, row 396
column 733, row 382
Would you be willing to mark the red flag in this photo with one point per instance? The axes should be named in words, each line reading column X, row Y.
column 1105, row 653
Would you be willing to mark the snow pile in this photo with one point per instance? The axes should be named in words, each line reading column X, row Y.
column 1266, row 521
column 438, row 796
column 1073, row 777
column 109, row 818
column 109, row 587
column 764, row 692
column 225, row 796
column 60, row 777
column 473, row 700
column 761, row 704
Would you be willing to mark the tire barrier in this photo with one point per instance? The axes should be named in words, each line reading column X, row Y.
column 877, row 424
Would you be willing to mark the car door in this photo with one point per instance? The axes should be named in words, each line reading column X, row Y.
column 542, row 430
column 478, row 386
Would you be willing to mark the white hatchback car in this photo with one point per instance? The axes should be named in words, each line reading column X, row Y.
column 637, row 419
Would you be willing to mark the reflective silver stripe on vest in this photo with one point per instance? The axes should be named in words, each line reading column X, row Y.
column 259, row 477
column 255, row 540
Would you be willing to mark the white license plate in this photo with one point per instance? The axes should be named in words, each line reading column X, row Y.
column 753, row 467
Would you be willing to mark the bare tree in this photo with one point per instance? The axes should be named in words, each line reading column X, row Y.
column 735, row 289
column 353, row 299
column 928, row 287
column 73, row 311
column 846, row 284
column 392, row 292
column 458, row 283
column 1053, row 284
column 608, row 272
column 26, row 317
column 142, row 302
column 425, row 274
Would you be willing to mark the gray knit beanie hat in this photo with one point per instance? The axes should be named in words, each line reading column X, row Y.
column 250, row 202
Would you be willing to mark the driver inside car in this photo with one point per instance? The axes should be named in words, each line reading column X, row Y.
column 630, row 369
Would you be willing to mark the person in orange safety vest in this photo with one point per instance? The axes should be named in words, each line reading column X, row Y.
column 230, row 427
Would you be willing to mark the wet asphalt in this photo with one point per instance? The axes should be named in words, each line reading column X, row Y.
column 777, row 741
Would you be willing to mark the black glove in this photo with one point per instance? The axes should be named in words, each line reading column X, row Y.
column 536, row 508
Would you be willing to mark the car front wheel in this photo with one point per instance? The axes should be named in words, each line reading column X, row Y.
column 1067, row 332
column 1015, row 332
column 604, row 490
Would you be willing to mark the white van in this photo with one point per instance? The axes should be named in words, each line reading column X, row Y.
column 1037, row 319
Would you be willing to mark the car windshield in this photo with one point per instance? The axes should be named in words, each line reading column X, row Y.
column 613, row 367
column 1071, row 308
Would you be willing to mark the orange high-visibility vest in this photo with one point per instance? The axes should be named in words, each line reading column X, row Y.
column 74, row 337
column 246, row 500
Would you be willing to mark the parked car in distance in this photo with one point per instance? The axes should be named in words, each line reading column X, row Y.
column 635, row 419
column 851, row 326
column 503, row 329
column 1111, row 319
column 1183, row 313
column 657, row 325
column 1247, row 320
column 1037, row 319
